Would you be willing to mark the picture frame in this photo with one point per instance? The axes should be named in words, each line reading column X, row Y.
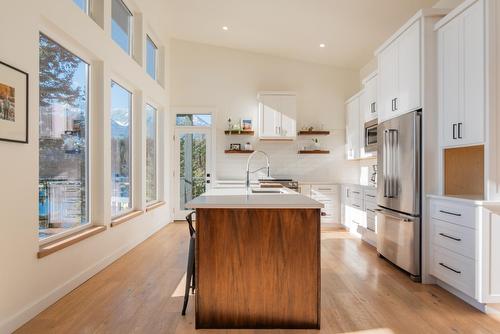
column 235, row 147
column 14, row 99
column 246, row 125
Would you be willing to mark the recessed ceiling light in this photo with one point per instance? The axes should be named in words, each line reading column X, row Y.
column 322, row 45
column 225, row 28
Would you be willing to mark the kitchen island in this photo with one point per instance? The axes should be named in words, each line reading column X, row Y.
column 257, row 259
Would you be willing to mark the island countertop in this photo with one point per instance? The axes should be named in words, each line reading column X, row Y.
column 238, row 198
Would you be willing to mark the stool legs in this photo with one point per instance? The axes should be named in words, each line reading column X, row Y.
column 189, row 275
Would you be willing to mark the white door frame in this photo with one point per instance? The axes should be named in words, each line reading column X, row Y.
column 179, row 214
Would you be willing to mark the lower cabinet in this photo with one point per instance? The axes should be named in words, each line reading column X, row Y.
column 464, row 250
column 358, row 204
column 328, row 195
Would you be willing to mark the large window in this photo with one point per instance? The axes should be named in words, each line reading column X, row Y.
column 151, row 151
column 121, row 149
column 63, row 140
column 121, row 25
column 193, row 120
column 151, row 56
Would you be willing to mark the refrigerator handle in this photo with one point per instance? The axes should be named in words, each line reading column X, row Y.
column 390, row 156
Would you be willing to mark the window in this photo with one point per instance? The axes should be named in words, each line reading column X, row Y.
column 151, row 51
column 83, row 4
column 151, row 150
column 63, row 141
column 121, row 25
column 193, row 120
column 121, row 148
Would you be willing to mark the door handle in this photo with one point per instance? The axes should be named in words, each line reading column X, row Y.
column 451, row 213
column 454, row 131
column 449, row 268
column 449, row 237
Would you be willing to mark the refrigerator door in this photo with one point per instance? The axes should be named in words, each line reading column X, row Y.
column 399, row 148
column 398, row 240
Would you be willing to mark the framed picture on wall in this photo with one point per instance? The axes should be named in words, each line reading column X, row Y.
column 246, row 125
column 13, row 104
column 235, row 147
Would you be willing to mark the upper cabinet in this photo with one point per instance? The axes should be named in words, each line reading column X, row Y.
column 461, row 70
column 369, row 101
column 353, row 127
column 399, row 70
column 277, row 116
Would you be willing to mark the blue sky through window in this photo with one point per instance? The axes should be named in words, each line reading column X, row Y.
column 151, row 57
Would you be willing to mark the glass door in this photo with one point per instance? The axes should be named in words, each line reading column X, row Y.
column 193, row 166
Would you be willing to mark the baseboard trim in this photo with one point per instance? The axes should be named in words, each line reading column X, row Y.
column 469, row 300
column 17, row 320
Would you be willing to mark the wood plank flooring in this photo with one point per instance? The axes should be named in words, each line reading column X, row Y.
column 142, row 293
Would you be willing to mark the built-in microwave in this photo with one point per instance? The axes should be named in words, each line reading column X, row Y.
column 371, row 135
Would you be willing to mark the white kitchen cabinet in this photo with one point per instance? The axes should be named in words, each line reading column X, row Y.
column 399, row 74
column 461, row 51
column 328, row 195
column 358, row 214
column 277, row 116
column 464, row 254
column 353, row 128
column 369, row 101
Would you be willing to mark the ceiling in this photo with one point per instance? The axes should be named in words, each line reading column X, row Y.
column 351, row 29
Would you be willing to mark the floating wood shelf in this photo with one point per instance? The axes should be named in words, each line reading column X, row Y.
column 238, row 151
column 240, row 132
column 314, row 132
column 314, row 152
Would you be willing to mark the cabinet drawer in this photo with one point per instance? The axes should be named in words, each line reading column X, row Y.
column 370, row 209
column 356, row 203
column 453, row 237
column 325, row 188
column 454, row 269
column 371, row 195
column 371, row 224
column 454, row 213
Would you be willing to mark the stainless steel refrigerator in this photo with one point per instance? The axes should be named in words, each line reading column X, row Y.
column 399, row 192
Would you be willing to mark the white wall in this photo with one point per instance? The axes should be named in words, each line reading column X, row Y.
column 229, row 80
column 28, row 284
column 448, row 3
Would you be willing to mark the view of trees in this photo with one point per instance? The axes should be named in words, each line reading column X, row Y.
column 192, row 166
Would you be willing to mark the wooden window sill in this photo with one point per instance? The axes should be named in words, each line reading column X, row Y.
column 154, row 206
column 69, row 240
column 126, row 217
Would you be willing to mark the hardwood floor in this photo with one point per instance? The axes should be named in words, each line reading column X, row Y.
column 142, row 293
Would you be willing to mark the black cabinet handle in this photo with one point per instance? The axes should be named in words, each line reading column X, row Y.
column 454, row 131
column 449, row 268
column 459, row 130
column 451, row 213
column 449, row 237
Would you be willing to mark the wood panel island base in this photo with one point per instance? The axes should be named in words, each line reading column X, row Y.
column 258, row 267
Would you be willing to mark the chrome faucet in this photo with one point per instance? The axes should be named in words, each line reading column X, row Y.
column 255, row 171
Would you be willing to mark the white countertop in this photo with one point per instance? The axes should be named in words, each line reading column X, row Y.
column 220, row 198
column 467, row 199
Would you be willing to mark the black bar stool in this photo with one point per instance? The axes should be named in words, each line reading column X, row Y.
column 190, row 273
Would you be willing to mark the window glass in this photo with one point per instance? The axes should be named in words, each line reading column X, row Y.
column 121, row 148
column 121, row 25
column 193, row 120
column 83, row 4
column 151, row 51
column 63, row 141
column 151, row 133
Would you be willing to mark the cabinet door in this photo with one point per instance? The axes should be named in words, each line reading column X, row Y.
column 408, row 70
column 269, row 117
column 288, row 122
column 450, row 68
column 471, row 126
column 352, row 130
column 370, row 106
column 387, row 80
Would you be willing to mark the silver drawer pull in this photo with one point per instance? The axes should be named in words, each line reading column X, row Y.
column 451, row 213
column 324, row 188
column 370, row 196
column 356, row 192
column 370, row 229
column 449, row 237
column 449, row 268
column 370, row 210
column 356, row 205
